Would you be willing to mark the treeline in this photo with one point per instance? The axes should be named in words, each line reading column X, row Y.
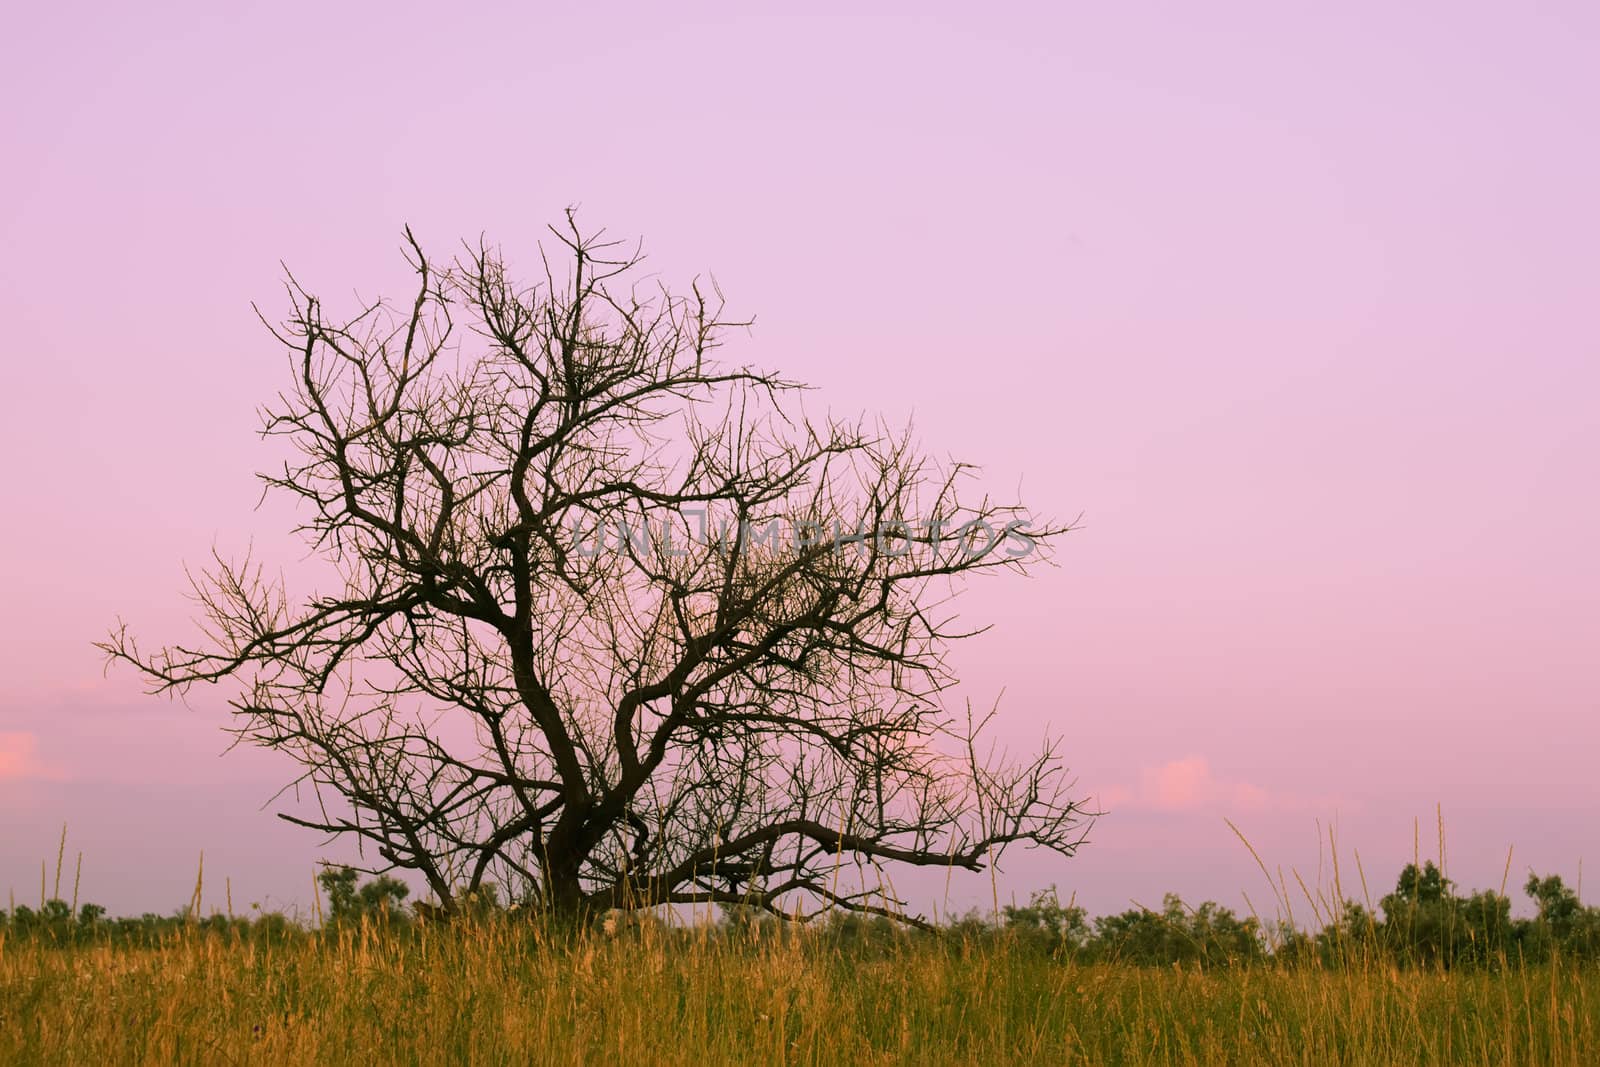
column 1422, row 923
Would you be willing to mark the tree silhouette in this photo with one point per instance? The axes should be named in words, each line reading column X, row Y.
column 620, row 626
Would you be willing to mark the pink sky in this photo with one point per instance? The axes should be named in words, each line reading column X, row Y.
column 1296, row 305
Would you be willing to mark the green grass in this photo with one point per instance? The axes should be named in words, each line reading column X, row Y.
column 507, row 992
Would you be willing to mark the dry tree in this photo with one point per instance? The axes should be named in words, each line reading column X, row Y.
column 620, row 625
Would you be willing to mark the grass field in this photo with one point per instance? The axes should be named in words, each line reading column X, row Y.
column 503, row 992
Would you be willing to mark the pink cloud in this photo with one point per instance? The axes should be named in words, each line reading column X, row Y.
column 1186, row 784
column 19, row 758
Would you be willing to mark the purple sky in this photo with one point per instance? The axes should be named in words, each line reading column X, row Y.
column 1295, row 305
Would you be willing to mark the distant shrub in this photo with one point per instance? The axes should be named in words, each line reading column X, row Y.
column 1423, row 923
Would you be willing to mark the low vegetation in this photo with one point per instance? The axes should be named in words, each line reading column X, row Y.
column 1425, row 976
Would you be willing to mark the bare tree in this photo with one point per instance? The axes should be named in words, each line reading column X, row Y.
column 619, row 626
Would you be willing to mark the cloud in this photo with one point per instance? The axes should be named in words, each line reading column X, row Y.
column 1186, row 785
column 19, row 757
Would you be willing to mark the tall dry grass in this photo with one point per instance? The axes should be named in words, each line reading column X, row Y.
column 501, row 991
